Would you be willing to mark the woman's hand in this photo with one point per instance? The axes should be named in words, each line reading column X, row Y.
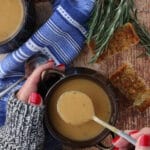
column 142, row 137
column 31, row 84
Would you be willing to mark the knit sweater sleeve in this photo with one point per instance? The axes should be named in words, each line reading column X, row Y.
column 23, row 129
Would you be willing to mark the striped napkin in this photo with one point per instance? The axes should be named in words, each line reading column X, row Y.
column 61, row 38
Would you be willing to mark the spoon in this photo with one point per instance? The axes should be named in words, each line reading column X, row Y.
column 30, row 65
column 76, row 108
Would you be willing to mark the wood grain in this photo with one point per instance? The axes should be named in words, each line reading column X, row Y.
column 128, row 118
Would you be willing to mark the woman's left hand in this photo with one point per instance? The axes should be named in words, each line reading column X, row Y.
column 142, row 137
column 31, row 84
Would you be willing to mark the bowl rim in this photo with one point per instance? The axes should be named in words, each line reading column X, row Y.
column 24, row 6
column 114, row 110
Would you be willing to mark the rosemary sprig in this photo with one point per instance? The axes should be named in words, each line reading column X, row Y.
column 105, row 21
column 143, row 34
column 107, row 16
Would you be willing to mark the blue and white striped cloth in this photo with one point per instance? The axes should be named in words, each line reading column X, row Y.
column 63, row 35
column 61, row 38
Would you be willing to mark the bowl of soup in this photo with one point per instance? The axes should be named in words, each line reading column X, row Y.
column 104, row 100
column 17, row 20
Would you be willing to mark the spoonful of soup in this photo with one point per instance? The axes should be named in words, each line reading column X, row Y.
column 76, row 108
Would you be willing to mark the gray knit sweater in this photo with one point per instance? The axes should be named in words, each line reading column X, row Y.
column 23, row 129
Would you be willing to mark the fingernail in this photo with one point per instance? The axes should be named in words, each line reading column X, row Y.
column 144, row 140
column 133, row 132
column 115, row 139
column 115, row 148
column 61, row 65
column 35, row 99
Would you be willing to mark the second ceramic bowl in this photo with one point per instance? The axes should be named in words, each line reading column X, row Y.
column 25, row 30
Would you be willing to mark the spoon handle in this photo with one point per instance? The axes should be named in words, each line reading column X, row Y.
column 2, row 93
column 115, row 130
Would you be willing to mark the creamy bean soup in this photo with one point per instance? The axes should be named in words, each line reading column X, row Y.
column 11, row 18
column 100, row 101
column 81, row 109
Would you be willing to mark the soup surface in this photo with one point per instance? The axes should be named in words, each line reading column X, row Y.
column 75, row 107
column 101, row 104
column 11, row 18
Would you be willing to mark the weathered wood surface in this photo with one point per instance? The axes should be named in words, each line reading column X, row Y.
column 128, row 118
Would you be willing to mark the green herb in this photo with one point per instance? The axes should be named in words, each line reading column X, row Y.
column 107, row 16
column 144, row 36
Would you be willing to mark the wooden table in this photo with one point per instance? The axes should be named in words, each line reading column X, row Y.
column 129, row 118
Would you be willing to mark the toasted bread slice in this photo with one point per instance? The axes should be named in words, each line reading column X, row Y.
column 124, row 38
column 127, row 81
column 142, row 101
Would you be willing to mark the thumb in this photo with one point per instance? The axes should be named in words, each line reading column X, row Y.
column 143, row 143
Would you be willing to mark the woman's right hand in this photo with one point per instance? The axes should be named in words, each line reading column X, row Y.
column 142, row 136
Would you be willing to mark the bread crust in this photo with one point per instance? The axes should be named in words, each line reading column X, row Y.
column 132, row 86
column 142, row 100
column 124, row 38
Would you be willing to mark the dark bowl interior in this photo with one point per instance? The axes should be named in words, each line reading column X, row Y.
column 106, row 85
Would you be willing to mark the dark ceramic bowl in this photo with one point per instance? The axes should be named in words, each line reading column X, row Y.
column 86, row 74
column 25, row 31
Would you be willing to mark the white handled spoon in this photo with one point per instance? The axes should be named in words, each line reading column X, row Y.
column 76, row 108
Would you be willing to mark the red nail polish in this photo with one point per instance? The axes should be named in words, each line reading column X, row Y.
column 61, row 65
column 115, row 139
column 35, row 99
column 144, row 140
column 115, row 148
column 133, row 132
